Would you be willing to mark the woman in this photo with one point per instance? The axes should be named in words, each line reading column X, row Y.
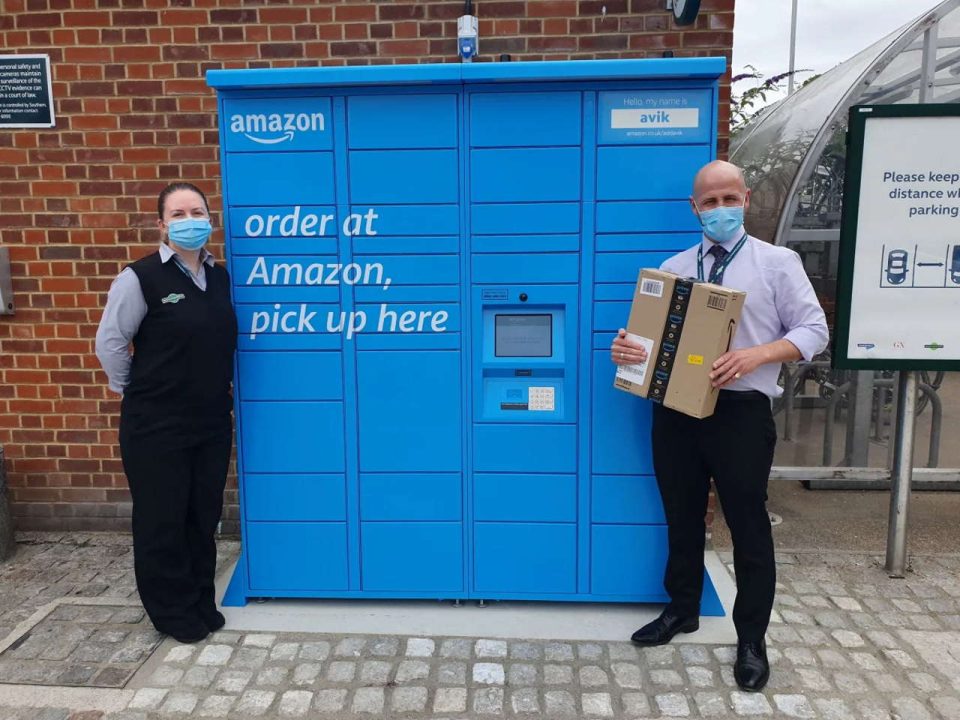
column 174, row 307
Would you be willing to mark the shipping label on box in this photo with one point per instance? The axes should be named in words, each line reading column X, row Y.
column 685, row 326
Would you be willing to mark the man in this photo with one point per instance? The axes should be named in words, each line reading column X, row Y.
column 781, row 321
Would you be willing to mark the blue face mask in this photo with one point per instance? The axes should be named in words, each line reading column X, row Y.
column 190, row 234
column 722, row 223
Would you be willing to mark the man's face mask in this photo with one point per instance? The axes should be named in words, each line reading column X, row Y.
column 722, row 223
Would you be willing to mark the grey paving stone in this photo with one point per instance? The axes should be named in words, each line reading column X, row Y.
column 885, row 683
column 800, row 656
column 947, row 706
column 148, row 698
column 410, row 670
column 909, row 708
column 668, row 678
column 341, row 671
column 330, row 700
column 216, row 706
column 315, row 650
column 375, row 671
column 558, row 652
column 421, row 647
column 813, row 679
column 590, row 651
column 750, row 704
column 233, row 681
column 711, row 704
column 249, row 658
column 368, row 700
column 259, row 640
column 450, row 700
column 597, row 704
column 200, row 676
column 526, row 651
column 593, row 676
column 848, row 638
column 285, row 652
column 215, row 655
column 833, row 658
column 180, row 654
column 925, row 682
column 522, row 675
column 488, row 701
column 635, row 705
column 180, row 703
column 664, row 655
column 795, row 706
column 488, row 674
column 833, row 709
column 457, row 648
column 255, row 702
column 490, row 648
column 626, row 675
column 866, row 661
column 166, row 676
column 409, row 699
column 694, row 655
column 850, row 684
column 385, row 647
column 701, row 677
column 307, row 673
column 673, row 704
column 557, row 674
column 452, row 673
column 350, row 647
column 272, row 676
column 560, row 704
column 622, row 651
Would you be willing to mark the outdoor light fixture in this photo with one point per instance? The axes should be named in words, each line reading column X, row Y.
column 684, row 11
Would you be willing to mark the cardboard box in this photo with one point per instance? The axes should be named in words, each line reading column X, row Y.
column 685, row 326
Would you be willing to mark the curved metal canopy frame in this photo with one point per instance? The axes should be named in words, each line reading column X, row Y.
column 798, row 130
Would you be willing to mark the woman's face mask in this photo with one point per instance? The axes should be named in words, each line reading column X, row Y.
column 190, row 233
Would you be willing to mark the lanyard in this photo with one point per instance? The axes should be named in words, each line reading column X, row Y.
column 723, row 264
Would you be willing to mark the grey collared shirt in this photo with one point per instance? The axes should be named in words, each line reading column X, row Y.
column 125, row 310
column 780, row 304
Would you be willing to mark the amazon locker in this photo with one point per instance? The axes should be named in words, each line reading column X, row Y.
column 428, row 264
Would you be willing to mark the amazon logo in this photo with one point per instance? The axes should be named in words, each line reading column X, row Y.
column 275, row 128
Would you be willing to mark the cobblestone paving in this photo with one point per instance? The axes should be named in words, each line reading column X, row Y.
column 847, row 643
column 94, row 646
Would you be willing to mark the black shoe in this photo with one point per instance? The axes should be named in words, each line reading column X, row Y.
column 187, row 632
column 752, row 669
column 214, row 620
column 662, row 630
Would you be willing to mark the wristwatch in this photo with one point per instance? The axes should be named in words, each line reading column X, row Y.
column 685, row 11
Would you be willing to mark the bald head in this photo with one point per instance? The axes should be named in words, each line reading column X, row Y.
column 719, row 184
column 718, row 171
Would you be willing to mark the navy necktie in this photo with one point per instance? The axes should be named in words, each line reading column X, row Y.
column 719, row 252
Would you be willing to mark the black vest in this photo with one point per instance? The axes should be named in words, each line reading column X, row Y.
column 183, row 351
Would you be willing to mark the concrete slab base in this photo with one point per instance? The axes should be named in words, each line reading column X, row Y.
column 501, row 619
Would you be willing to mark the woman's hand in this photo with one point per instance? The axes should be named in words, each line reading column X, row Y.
column 625, row 351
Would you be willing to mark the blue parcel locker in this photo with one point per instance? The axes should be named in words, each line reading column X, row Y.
column 428, row 265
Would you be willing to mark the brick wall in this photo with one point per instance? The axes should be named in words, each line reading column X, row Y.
column 133, row 113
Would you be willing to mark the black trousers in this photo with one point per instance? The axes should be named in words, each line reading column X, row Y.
column 735, row 447
column 177, row 491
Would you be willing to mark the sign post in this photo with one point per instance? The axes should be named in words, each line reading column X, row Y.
column 899, row 278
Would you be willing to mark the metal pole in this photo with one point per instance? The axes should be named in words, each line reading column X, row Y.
column 793, row 48
column 902, row 473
